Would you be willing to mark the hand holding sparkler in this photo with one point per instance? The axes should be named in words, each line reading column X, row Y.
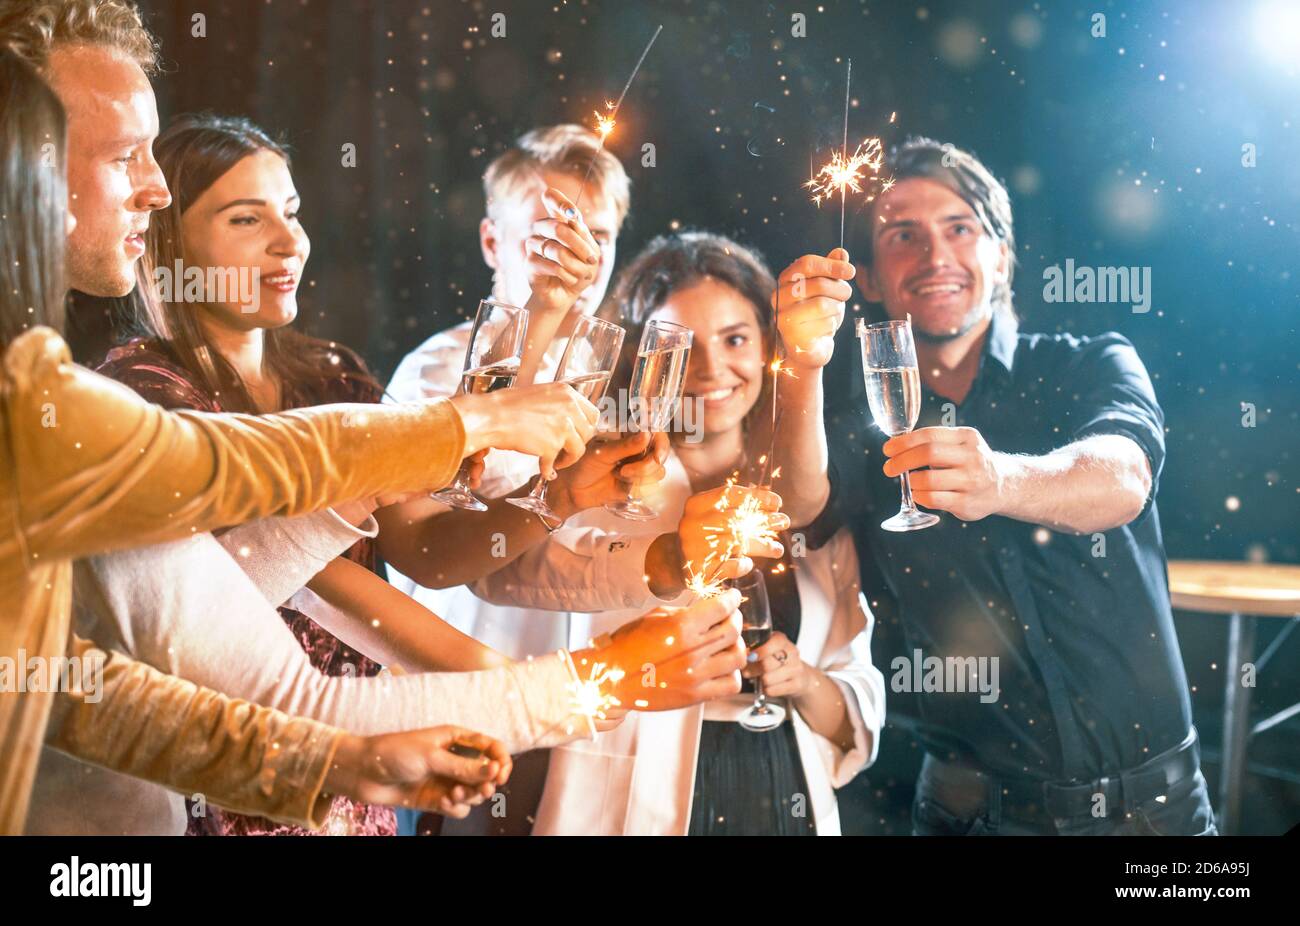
column 670, row 658
column 721, row 529
column 809, row 303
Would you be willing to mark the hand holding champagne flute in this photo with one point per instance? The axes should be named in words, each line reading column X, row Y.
column 587, row 364
column 893, row 383
column 657, row 382
column 496, row 343
column 755, row 630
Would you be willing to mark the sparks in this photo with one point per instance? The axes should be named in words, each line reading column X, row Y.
column 842, row 173
column 747, row 523
column 699, row 583
column 604, row 124
column 778, row 368
column 588, row 697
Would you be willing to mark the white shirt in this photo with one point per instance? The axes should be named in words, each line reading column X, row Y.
column 433, row 370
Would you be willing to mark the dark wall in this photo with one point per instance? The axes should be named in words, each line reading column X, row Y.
column 1120, row 150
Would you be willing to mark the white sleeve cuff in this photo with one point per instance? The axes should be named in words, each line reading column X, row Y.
column 281, row 555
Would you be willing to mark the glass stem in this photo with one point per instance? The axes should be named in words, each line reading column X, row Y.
column 539, row 490
column 461, row 481
column 632, row 494
column 905, row 485
column 760, row 699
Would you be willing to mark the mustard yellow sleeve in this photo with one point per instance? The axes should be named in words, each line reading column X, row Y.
column 97, row 468
column 241, row 756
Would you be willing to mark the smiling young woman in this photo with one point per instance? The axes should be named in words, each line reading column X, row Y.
column 234, row 205
column 696, row 770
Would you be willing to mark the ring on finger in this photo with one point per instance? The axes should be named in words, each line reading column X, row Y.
column 781, row 657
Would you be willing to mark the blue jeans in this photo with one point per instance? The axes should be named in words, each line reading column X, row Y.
column 954, row 801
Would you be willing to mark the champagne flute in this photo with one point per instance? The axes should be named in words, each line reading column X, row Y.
column 496, row 344
column 894, row 394
column 755, row 630
column 587, row 364
column 657, row 383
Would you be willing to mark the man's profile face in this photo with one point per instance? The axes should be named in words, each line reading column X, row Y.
column 113, row 180
column 503, row 238
column 932, row 259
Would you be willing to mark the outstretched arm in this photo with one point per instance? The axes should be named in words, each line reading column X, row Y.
column 1094, row 484
column 97, row 468
column 809, row 303
column 1102, row 478
column 439, row 548
column 391, row 627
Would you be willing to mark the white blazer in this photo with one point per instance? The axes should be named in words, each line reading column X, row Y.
column 639, row 779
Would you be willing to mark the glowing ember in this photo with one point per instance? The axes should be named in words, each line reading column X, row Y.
column 698, row 583
column 746, row 524
column 588, row 697
column 843, row 173
column 604, row 124
column 780, row 369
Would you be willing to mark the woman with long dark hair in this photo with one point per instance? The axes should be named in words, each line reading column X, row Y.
column 227, row 259
column 696, row 771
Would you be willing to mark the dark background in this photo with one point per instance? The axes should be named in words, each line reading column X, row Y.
column 1123, row 150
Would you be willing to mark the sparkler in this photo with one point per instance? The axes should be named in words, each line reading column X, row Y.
column 588, row 697
column 605, row 124
column 844, row 172
column 747, row 523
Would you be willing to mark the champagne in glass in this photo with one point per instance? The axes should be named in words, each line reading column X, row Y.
column 496, row 344
column 893, row 383
column 586, row 365
column 755, row 630
column 895, row 398
column 591, row 386
column 490, row 378
column 657, row 382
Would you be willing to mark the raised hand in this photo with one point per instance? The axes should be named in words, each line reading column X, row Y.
column 563, row 258
column 809, row 303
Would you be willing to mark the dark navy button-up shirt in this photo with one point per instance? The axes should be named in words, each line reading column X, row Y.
column 1091, row 680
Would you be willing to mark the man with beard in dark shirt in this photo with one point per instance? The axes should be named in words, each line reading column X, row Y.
column 1048, row 566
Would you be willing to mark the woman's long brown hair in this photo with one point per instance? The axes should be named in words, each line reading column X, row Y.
column 673, row 262
column 194, row 152
column 33, row 200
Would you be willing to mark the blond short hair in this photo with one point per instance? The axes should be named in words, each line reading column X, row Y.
column 562, row 149
column 34, row 28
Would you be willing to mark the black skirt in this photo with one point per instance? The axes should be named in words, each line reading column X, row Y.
column 750, row 784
